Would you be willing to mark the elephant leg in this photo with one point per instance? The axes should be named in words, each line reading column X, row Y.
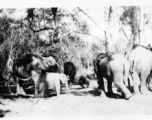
column 41, row 89
column 69, row 83
column 82, row 85
column 149, row 82
column 36, row 88
column 72, row 78
column 143, row 86
column 101, row 85
column 57, row 87
column 22, row 90
column 109, row 86
column 8, row 86
column 118, row 80
column 67, row 88
column 17, row 88
column 130, row 83
column 35, row 78
column 136, row 83
column 124, row 89
column 88, row 83
column 21, row 87
column 60, row 88
column 42, row 94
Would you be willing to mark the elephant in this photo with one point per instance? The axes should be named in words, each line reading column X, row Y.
column 50, row 64
column 140, row 59
column 114, row 68
column 50, row 81
column 30, row 66
column 83, row 81
column 70, row 70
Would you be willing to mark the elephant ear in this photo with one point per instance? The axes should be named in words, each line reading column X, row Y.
column 49, row 61
column 36, row 63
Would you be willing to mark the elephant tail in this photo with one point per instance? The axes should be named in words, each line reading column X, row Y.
column 132, row 67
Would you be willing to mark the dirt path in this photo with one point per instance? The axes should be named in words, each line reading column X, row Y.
column 78, row 102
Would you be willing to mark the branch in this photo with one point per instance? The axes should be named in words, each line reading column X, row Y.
column 86, row 34
column 79, row 32
column 124, row 33
column 43, row 17
column 90, row 18
column 54, row 12
column 11, row 47
column 42, row 29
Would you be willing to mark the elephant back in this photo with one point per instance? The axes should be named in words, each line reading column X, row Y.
column 100, row 57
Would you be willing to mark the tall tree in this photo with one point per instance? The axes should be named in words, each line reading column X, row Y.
column 132, row 16
column 136, row 25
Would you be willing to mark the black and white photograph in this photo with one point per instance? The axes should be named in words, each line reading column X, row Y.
column 62, row 61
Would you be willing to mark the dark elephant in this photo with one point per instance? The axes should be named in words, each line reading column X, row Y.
column 70, row 70
column 115, row 68
column 31, row 66
column 140, row 59
column 83, row 80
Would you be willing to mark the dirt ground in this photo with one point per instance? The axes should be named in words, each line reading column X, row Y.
column 78, row 102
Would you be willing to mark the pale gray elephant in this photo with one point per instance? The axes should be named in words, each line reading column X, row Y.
column 140, row 59
column 51, row 81
column 115, row 68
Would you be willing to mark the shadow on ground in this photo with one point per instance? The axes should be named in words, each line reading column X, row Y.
column 94, row 92
column 82, row 92
column 29, row 90
column 3, row 112
column 5, row 94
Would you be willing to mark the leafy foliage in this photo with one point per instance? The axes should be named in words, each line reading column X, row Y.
column 61, row 33
column 24, row 36
column 127, row 16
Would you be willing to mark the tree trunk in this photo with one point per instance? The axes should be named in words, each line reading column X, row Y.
column 106, row 16
column 141, row 25
column 106, row 43
column 136, row 26
column 108, row 11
